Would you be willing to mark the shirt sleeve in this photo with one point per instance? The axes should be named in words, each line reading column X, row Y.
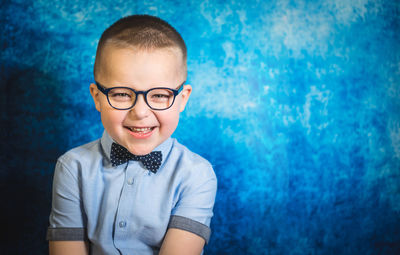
column 194, row 208
column 67, row 220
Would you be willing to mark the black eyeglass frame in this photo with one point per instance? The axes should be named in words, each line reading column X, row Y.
column 105, row 91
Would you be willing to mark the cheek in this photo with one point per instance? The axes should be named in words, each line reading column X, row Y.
column 169, row 121
column 112, row 118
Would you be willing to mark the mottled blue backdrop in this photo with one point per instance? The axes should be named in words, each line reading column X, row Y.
column 295, row 103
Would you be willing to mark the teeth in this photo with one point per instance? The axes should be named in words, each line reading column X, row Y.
column 140, row 129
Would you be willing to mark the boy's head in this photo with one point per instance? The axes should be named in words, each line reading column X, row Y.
column 141, row 54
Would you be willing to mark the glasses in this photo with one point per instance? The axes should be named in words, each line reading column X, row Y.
column 124, row 98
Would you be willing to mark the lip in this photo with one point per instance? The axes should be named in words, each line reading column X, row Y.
column 140, row 135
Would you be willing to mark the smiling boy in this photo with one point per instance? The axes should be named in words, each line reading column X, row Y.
column 136, row 190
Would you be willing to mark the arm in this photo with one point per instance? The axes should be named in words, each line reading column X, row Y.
column 68, row 247
column 66, row 233
column 181, row 242
column 188, row 228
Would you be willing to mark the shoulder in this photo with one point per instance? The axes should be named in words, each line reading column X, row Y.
column 81, row 155
column 191, row 164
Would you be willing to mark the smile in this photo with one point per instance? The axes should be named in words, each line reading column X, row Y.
column 140, row 130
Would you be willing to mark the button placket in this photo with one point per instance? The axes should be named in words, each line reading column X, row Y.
column 129, row 174
column 122, row 220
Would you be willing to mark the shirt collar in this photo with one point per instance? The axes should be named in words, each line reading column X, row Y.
column 107, row 141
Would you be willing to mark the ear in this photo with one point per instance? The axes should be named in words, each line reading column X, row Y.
column 186, row 91
column 95, row 95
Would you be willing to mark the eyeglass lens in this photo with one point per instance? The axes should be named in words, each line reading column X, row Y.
column 122, row 98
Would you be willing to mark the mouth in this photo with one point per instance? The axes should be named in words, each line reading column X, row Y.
column 140, row 132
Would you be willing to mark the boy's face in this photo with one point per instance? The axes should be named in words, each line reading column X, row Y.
column 140, row 129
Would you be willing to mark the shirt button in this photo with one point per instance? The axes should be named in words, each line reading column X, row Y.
column 122, row 224
column 130, row 181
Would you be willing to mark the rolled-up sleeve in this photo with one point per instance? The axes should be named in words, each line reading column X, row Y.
column 194, row 208
column 67, row 220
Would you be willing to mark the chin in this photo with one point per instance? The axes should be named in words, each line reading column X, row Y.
column 139, row 150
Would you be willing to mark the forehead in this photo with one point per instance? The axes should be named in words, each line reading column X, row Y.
column 111, row 48
column 140, row 65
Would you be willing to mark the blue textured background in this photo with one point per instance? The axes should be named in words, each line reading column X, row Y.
column 295, row 103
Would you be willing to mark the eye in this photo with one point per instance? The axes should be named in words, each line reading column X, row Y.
column 160, row 96
column 120, row 95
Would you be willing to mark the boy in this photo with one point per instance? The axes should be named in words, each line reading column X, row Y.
column 135, row 190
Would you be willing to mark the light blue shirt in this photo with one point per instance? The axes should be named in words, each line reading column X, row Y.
column 127, row 209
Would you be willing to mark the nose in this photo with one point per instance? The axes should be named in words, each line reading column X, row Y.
column 140, row 110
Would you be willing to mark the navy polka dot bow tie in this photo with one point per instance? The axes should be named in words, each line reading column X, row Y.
column 120, row 155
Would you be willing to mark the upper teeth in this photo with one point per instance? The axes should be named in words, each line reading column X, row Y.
column 140, row 129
